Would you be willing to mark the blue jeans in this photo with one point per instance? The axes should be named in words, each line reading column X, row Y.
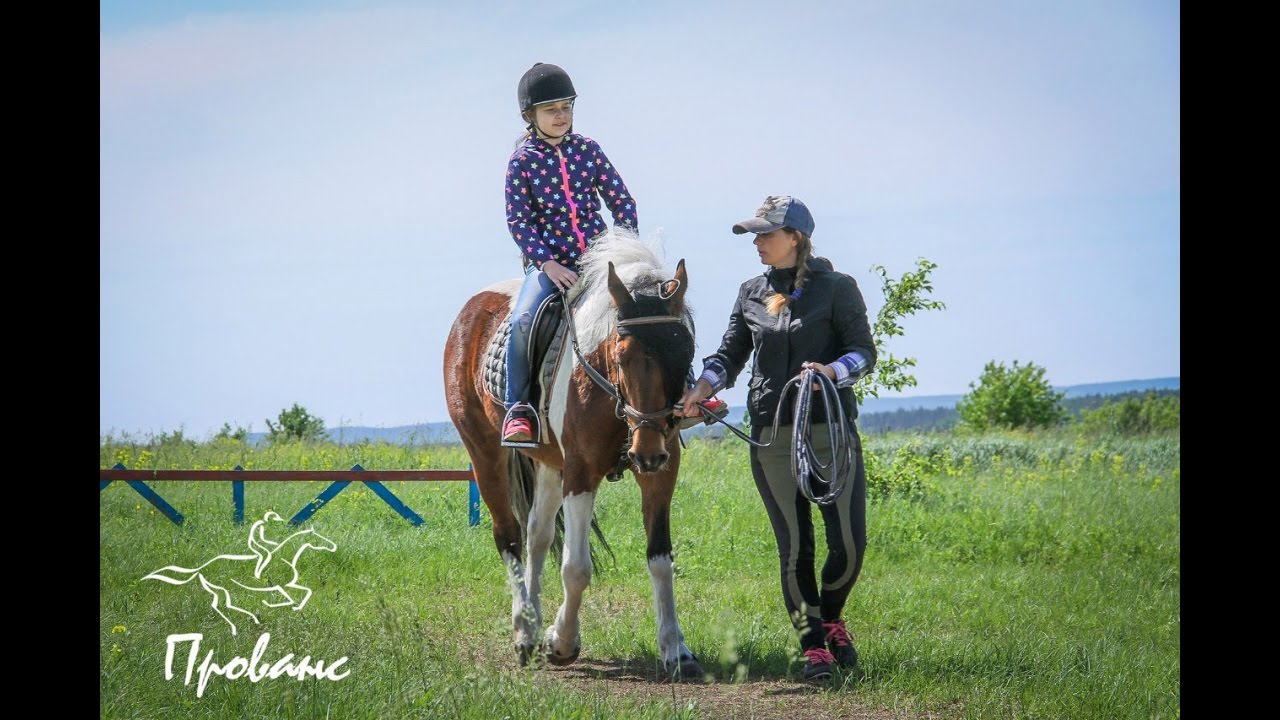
column 536, row 288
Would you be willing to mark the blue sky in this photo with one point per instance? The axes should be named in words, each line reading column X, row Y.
column 297, row 197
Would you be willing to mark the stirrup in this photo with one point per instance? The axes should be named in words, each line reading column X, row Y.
column 536, row 422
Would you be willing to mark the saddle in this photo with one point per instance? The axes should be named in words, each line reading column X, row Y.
column 546, row 351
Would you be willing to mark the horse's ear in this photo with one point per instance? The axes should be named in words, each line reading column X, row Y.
column 673, row 290
column 617, row 290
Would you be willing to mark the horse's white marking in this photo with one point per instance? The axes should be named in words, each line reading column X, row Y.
column 575, row 572
column 522, row 612
column 542, row 529
column 670, row 637
column 510, row 287
column 265, row 551
column 560, row 398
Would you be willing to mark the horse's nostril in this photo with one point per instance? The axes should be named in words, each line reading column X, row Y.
column 649, row 463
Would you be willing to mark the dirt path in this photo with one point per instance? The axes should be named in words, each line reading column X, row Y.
column 764, row 699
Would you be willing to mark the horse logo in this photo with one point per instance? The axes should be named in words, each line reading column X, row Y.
column 271, row 570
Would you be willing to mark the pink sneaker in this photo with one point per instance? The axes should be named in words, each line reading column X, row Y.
column 840, row 642
column 817, row 664
column 517, row 429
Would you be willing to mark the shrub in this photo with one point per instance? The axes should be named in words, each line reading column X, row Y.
column 1011, row 398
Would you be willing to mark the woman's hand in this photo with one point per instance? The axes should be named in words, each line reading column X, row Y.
column 824, row 369
column 561, row 276
column 689, row 401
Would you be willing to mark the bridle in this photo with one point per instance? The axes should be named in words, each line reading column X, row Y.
column 634, row 417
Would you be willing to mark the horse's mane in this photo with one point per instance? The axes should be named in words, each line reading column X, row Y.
column 638, row 263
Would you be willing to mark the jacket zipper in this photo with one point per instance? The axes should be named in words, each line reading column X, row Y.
column 573, row 207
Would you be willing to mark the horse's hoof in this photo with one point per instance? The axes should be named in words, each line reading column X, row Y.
column 523, row 654
column 560, row 661
column 691, row 669
column 688, row 669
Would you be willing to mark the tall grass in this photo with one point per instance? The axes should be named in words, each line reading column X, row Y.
column 1006, row 576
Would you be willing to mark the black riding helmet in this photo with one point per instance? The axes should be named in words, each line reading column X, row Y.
column 543, row 83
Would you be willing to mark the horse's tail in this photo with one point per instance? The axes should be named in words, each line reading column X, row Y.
column 173, row 575
column 520, row 478
column 595, row 527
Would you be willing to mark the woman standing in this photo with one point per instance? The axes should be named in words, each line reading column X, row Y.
column 799, row 314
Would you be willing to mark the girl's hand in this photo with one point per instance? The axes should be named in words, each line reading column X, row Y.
column 689, row 401
column 561, row 276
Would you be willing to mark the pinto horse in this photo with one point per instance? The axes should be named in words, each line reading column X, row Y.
column 635, row 333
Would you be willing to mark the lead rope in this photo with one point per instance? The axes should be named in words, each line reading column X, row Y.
column 808, row 468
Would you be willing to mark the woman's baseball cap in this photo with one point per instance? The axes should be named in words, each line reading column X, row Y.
column 778, row 211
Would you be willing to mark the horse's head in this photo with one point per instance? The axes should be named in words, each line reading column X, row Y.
column 318, row 541
column 650, row 351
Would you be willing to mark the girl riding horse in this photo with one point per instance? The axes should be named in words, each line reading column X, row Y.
column 557, row 183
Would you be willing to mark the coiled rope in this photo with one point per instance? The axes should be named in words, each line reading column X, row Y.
column 820, row 482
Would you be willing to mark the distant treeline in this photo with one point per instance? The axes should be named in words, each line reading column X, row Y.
column 937, row 419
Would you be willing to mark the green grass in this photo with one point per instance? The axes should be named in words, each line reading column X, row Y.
column 1009, row 576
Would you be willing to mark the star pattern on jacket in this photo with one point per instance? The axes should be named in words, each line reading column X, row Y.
column 551, row 218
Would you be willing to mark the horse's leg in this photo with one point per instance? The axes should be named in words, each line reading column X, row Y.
column 656, row 490
column 288, row 599
column 217, row 591
column 489, row 463
column 563, row 643
column 301, row 603
column 273, row 589
column 542, row 529
column 471, row 414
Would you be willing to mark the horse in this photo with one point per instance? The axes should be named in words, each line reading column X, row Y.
column 219, row 574
column 635, row 336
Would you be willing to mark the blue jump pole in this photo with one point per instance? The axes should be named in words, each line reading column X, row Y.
column 237, row 498
column 151, row 495
column 473, row 506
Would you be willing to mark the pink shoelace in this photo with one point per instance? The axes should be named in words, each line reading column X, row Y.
column 837, row 633
column 820, row 656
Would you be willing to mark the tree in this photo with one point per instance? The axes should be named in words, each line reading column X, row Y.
column 1148, row 414
column 240, row 434
column 902, row 297
column 1017, row 397
column 296, row 424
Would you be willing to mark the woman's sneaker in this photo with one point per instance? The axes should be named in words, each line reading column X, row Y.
column 817, row 664
column 717, row 406
column 841, row 644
